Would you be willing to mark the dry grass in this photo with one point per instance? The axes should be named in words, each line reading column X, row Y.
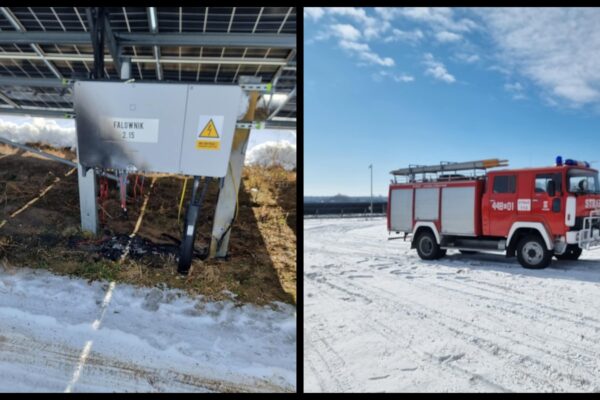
column 261, row 267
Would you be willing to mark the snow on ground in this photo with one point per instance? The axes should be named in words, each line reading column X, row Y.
column 55, row 333
column 42, row 130
column 379, row 319
column 273, row 153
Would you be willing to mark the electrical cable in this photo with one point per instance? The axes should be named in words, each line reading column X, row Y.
column 181, row 198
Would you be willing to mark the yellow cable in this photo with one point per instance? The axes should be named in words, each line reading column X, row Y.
column 181, row 200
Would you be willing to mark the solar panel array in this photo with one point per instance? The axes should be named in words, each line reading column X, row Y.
column 36, row 65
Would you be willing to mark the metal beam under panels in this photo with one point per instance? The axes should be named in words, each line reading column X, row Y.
column 153, row 21
column 255, row 41
column 34, row 82
column 146, row 59
column 39, row 112
column 114, row 47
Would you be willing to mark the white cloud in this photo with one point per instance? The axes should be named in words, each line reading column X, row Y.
column 403, row 78
column 345, row 32
column 374, row 58
column 358, row 14
column 314, row 13
column 354, row 46
column 511, row 87
column 516, row 89
column 364, row 53
column 438, row 17
column 445, row 36
column 408, row 36
column 372, row 27
column 437, row 69
column 468, row 58
column 556, row 48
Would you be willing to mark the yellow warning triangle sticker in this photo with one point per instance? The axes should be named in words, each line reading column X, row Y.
column 209, row 131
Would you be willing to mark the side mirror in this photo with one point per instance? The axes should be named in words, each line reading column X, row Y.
column 551, row 188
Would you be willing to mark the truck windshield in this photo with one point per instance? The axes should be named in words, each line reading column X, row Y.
column 583, row 181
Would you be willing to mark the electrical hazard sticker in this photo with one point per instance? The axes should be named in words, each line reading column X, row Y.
column 209, row 132
column 208, row 144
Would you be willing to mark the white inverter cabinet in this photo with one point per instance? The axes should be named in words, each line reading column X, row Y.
column 156, row 127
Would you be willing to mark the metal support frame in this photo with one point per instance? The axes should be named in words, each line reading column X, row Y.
column 147, row 59
column 253, row 40
column 8, row 100
column 36, row 48
column 35, row 82
column 99, row 27
column 88, row 199
column 227, row 204
column 291, row 95
column 111, row 42
column 153, row 19
column 96, row 22
column 278, row 75
column 36, row 151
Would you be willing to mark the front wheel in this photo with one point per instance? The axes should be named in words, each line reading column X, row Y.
column 427, row 247
column 532, row 252
column 572, row 252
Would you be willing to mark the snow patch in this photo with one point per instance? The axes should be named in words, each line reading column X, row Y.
column 148, row 340
column 40, row 130
column 272, row 153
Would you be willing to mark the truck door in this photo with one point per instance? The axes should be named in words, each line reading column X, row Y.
column 502, row 201
column 546, row 200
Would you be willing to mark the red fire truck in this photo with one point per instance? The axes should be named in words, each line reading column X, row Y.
column 533, row 213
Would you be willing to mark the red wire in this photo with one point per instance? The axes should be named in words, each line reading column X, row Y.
column 103, row 196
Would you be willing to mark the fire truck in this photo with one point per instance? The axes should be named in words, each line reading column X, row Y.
column 531, row 213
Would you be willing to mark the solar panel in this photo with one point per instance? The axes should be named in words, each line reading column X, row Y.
column 53, row 43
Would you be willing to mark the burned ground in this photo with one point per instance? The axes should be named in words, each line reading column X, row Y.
column 260, row 268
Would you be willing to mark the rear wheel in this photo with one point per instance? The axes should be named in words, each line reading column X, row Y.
column 532, row 252
column 572, row 252
column 427, row 247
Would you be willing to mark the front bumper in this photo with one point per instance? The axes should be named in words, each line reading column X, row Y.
column 588, row 236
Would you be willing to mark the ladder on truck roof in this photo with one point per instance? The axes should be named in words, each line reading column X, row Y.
column 449, row 167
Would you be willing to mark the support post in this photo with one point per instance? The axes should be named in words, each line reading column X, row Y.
column 87, row 200
column 230, row 185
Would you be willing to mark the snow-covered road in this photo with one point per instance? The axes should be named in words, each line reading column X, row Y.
column 378, row 318
column 60, row 334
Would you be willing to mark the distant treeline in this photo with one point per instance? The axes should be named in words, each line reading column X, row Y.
column 353, row 207
column 340, row 198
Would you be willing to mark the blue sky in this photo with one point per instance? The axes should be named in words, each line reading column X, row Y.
column 395, row 87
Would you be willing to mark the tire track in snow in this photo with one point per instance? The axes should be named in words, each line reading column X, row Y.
column 514, row 311
column 480, row 342
column 313, row 322
column 455, row 371
column 577, row 381
column 394, row 336
column 329, row 360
